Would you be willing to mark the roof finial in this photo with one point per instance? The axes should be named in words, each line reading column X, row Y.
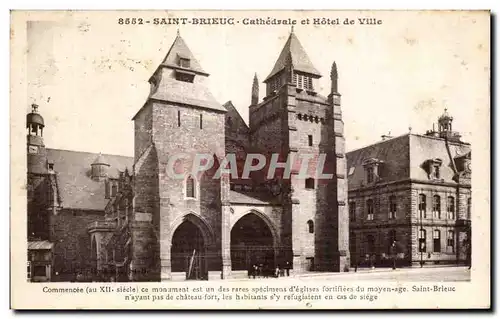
column 292, row 29
column 178, row 32
column 34, row 108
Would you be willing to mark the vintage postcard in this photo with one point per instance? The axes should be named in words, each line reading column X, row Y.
column 250, row 159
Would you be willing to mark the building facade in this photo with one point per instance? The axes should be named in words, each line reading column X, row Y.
column 410, row 199
column 146, row 225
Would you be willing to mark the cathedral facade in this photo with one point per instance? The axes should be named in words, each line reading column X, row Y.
column 153, row 217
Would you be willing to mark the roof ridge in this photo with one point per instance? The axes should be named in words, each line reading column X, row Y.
column 86, row 152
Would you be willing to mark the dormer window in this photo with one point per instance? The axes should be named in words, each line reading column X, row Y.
column 369, row 175
column 433, row 168
column 184, row 63
column 372, row 170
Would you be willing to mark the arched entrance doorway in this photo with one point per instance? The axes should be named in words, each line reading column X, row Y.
column 188, row 251
column 252, row 242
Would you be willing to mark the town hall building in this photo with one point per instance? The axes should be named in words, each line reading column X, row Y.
column 127, row 219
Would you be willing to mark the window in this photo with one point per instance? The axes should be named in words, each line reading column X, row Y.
column 201, row 121
column 114, row 190
column 352, row 211
column 392, row 207
column 422, row 237
column 295, row 78
column 310, row 138
column 369, row 174
column 451, row 207
column 310, row 226
column 310, row 183
column 437, row 173
column 369, row 209
column 450, row 241
column 422, row 205
column 437, row 241
column 469, row 204
column 178, row 118
column 436, row 206
column 190, row 187
column 351, row 170
column 107, row 188
column 185, row 63
column 184, row 77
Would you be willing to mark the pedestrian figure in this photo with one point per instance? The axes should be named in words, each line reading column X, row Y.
column 254, row 272
column 287, row 268
column 393, row 253
column 277, row 271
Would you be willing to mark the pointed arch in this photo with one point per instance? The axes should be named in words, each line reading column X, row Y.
column 198, row 220
column 266, row 220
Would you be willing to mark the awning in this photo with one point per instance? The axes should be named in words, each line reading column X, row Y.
column 40, row 245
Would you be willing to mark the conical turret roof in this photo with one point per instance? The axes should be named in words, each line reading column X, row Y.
column 178, row 50
column 300, row 59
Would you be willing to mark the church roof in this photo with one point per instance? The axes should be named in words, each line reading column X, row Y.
column 300, row 59
column 172, row 90
column 252, row 198
column 180, row 50
column 76, row 188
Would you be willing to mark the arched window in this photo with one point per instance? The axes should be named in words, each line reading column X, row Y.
column 437, row 241
column 392, row 207
column 450, row 207
column 436, row 206
column 310, row 225
column 190, row 187
column 422, row 205
column 369, row 209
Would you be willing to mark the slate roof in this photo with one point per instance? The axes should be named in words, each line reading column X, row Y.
column 172, row 90
column 403, row 157
column 252, row 198
column 300, row 59
column 179, row 49
column 76, row 188
column 195, row 94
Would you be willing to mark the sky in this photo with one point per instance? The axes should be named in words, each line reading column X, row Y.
column 89, row 74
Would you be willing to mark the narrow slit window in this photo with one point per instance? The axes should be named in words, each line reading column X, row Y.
column 310, row 183
column 190, row 187
column 178, row 118
column 310, row 140
column 201, row 121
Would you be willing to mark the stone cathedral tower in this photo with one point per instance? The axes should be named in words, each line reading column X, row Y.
column 294, row 119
